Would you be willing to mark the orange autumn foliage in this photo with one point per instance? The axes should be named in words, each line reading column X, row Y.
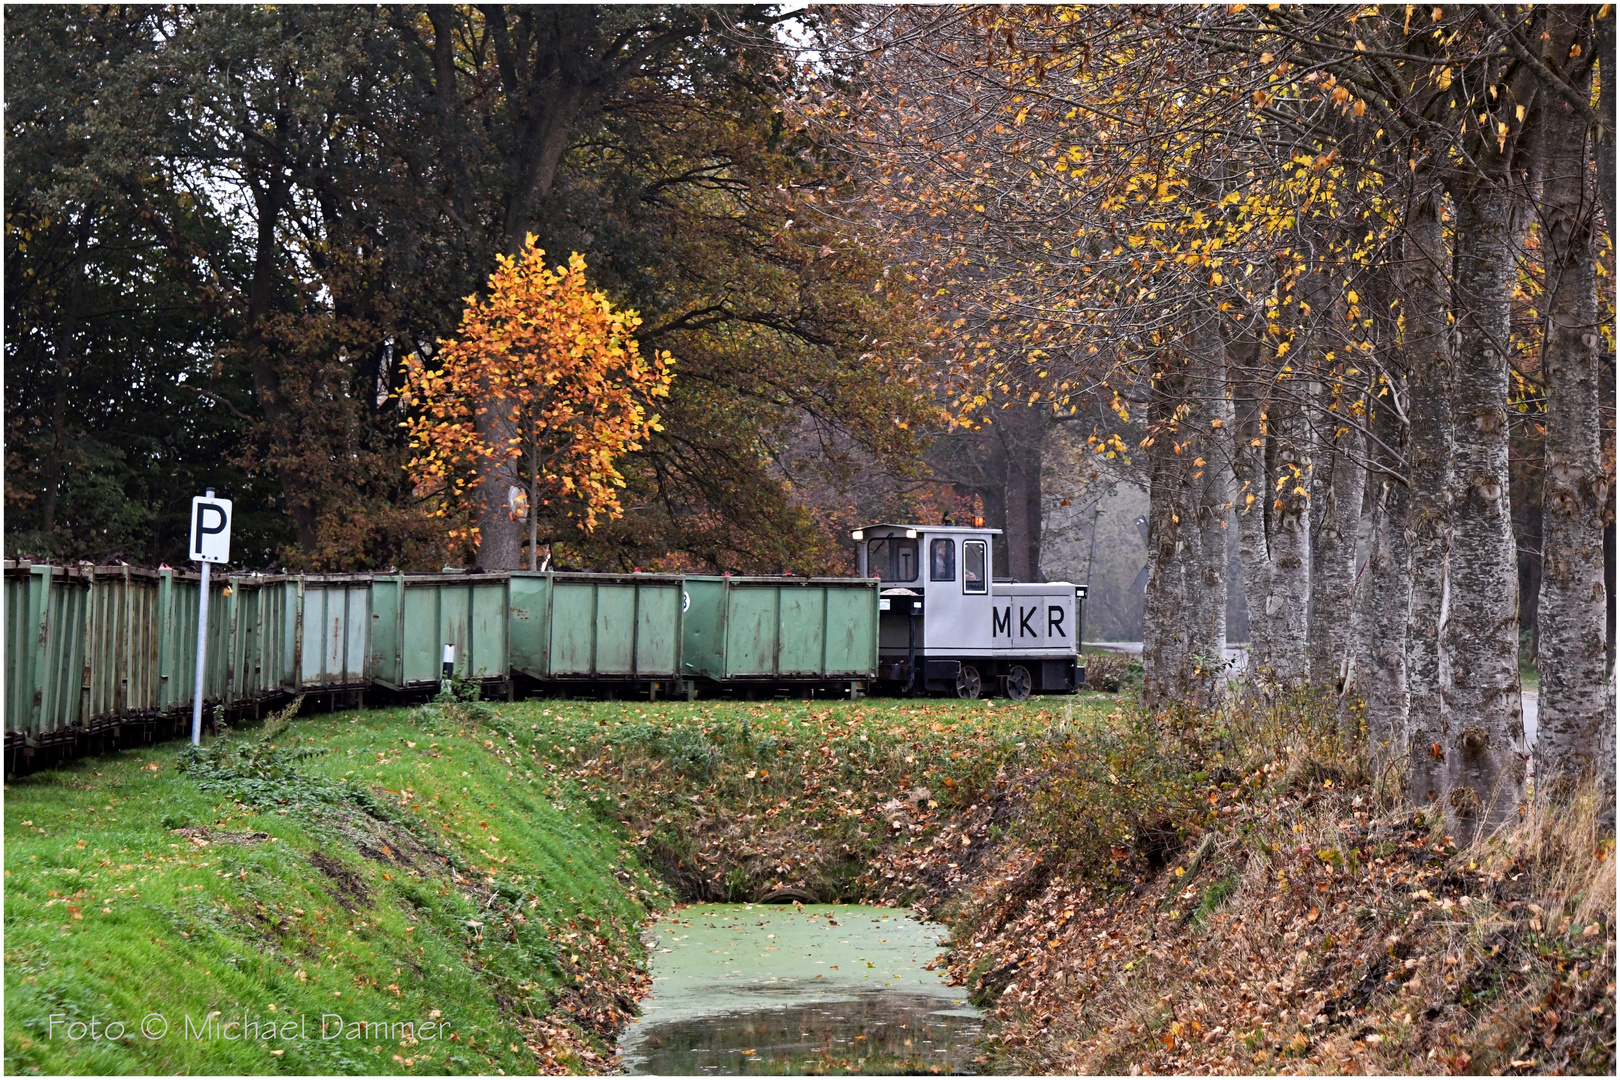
column 544, row 373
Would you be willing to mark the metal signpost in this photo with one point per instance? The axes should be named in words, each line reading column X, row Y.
column 210, row 543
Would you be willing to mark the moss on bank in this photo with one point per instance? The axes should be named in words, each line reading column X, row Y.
column 398, row 870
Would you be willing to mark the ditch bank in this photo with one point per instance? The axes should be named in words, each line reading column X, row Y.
column 1122, row 893
column 456, row 888
column 1131, row 894
column 380, row 892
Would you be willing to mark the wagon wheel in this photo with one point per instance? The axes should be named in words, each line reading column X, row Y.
column 967, row 683
column 1018, row 682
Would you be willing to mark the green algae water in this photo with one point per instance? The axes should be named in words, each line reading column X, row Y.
column 826, row 988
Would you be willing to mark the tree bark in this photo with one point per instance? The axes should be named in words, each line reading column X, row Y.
column 547, row 100
column 1250, row 501
column 1383, row 595
column 1572, row 613
column 271, row 192
column 1428, row 512
column 1210, row 485
column 1022, row 432
column 1172, row 550
column 1339, row 491
column 63, row 338
column 1289, row 469
column 1484, row 749
column 1603, row 48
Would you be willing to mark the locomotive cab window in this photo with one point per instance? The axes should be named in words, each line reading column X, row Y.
column 942, row 560
column 975, row 574
column 892, row 558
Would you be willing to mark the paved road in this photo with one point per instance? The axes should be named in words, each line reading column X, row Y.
column 1236, row 655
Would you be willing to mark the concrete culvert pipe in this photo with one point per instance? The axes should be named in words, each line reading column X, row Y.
column 787, row 896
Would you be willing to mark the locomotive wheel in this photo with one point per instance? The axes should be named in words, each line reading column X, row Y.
column 1019, row 683
column 968, row 685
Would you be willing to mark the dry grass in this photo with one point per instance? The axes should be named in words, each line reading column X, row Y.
column 1324, row 932
column 1111, row 672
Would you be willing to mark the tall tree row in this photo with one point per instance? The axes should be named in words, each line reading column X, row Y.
column 1368, row 246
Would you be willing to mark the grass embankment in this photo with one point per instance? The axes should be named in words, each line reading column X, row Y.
column 1129, row 893
column 480, row 867
column 732, row 800
column 385, row 867
column 1126, row 892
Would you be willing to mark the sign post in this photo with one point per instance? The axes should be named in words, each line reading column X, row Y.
column 210, row 543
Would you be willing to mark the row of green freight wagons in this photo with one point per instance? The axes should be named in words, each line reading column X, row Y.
column 91, row 648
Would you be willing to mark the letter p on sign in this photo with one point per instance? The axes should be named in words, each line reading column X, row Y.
column 210, row 530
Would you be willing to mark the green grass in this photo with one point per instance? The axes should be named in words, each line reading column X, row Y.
column 732, row 799
column 1529, row 675
column 1216, row 895
column 110, row 914
column 483, row 866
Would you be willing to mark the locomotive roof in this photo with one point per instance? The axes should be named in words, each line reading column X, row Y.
column 934, row 528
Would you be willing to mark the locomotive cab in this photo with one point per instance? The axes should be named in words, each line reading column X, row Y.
column 946, row 625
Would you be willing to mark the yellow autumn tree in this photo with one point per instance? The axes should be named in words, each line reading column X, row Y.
column 545, row 382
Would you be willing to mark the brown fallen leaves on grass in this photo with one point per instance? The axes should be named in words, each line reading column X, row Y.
column 732, row 801
column 1318, row 938
column 1235, row 901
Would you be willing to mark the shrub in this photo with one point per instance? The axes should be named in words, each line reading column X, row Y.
column 1112, row 672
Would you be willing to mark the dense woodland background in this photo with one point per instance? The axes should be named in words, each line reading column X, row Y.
column 226, row 227
column 1332, row 286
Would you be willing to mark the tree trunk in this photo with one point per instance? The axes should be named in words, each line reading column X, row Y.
column 1428, row 528
column 1485, row 752
column 1022, row 432
column 270, row 196
column 1333, row 557
column 1603, row 47
column 548, row 106
column 1250, row 501
column 1023, row 500
column 1172, row 552
column 1572, row 613
column 63, row 338
column 500, row 533
column 1383, row 594
column 1289, row 468
column 1211, row 485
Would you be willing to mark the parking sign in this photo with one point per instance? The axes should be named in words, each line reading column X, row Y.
column 210, row 529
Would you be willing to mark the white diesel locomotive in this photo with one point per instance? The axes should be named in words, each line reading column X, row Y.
column 947, row 624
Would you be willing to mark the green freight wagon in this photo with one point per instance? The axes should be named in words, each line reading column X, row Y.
column 90, row 649
column 414, row 617
column 779, row 630
column 121, row 645
column 258, row 612
column 616, row 628
column 176, row 628
column 45, row 667
column 333, row 627
column 84, row 650
column 250, row 653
